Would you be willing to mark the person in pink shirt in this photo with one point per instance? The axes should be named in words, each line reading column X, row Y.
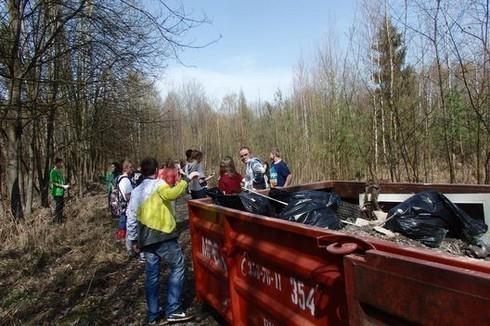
column 169, row 173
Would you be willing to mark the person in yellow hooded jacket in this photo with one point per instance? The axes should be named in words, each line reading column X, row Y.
column 151, row 228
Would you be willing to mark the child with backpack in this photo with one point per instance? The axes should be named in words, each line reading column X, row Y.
column 120, row 195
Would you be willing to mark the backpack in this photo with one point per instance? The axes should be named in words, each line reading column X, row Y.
column 137, row 178
column 117, row 203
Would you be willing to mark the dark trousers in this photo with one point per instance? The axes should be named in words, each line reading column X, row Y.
column 59, row 203
column 196, row 194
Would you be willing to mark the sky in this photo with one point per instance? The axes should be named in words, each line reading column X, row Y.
column 260, row 44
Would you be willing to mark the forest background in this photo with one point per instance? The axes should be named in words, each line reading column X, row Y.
column 406, row 100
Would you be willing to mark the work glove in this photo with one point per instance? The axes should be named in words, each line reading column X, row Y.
column 66, row 187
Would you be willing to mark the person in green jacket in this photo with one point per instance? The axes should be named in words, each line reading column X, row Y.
column 112, row 174
column 58, row 187
column 109, row 177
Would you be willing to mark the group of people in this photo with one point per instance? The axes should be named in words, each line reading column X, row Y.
column 267, row 175
column 147, row 219
column 143, row 202
column 258, row 174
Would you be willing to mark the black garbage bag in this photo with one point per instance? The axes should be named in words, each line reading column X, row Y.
column 430, row 216
column 311, row 212
column 329, row 199
column 281, row 195
column 230, row 201
column 422, row 230
column 214, row 192
column 256, row 204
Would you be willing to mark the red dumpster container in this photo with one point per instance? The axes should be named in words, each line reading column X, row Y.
column 210, row 269
column 389, row 289
column 260, row 270
column 281, row 274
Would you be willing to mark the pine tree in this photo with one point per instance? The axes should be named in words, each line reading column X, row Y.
column 393, row 84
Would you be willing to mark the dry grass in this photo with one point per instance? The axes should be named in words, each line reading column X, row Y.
column 74, row 273
column 43, row 262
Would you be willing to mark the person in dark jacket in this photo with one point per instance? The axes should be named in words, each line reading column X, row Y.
column 279, row 175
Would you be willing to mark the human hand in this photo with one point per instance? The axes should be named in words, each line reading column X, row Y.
column 181, row 172
column 193, row 175
column 135, row 247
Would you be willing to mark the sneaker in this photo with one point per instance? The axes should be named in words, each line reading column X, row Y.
column 160, row 320
column 142, row 258
column 178, row 316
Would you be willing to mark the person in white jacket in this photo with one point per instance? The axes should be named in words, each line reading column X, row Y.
column 254, row 170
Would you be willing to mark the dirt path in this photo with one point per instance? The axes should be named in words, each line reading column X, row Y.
column 78, row 274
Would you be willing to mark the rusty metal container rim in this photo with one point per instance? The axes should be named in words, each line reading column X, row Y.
column 380, row 244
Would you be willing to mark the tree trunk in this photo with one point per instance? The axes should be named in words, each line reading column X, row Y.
column 14, row 128
column 30, row 174
column 443, row 99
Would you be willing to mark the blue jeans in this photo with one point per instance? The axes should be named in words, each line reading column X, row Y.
column 171, row 253
column 122, row 221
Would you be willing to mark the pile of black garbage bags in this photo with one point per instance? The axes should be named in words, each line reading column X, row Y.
column 430, row 216
column 315, row 208
column 427, row 217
